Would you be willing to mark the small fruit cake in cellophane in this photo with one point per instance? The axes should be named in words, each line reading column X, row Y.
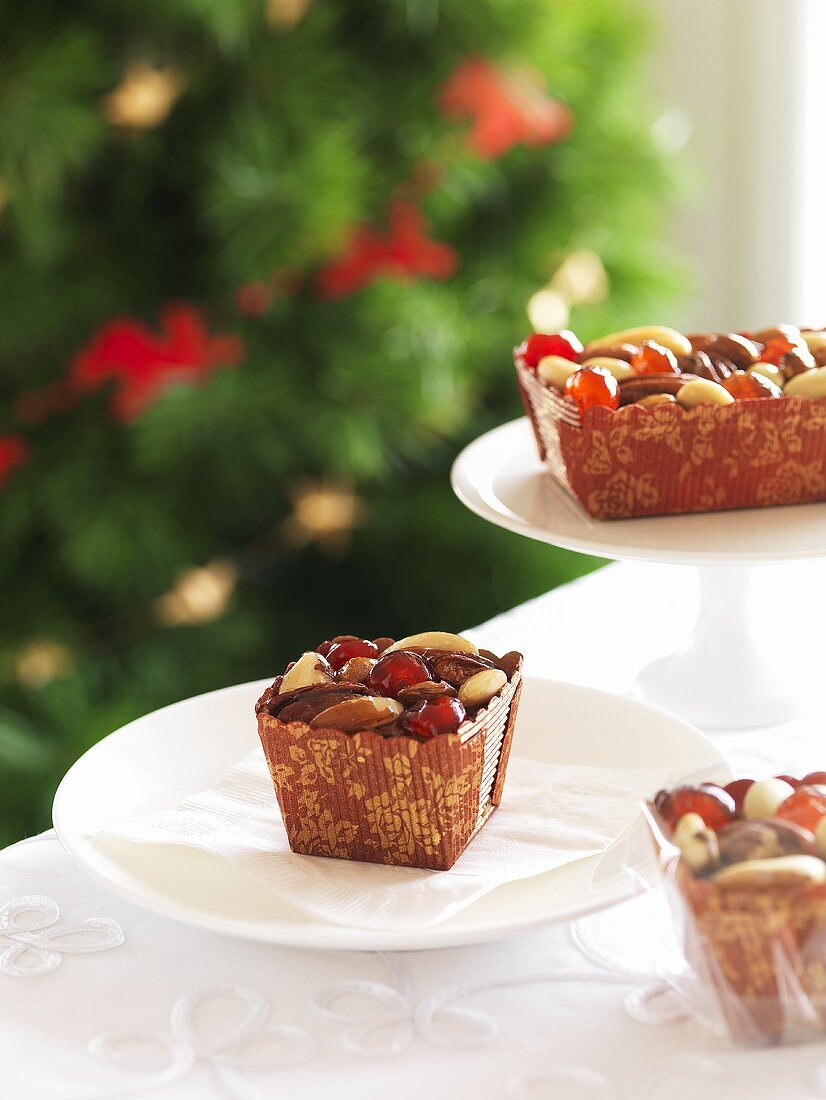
column 390, row 752
column 745, row 870
column 650, row 421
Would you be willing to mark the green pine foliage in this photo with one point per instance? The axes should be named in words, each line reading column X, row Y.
column 283, row 139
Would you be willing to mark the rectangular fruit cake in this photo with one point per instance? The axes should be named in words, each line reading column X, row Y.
column 650, row 421
column 745, row 869
column 390, row 752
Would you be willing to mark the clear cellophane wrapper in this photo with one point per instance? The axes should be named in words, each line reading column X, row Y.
column 393, row 800
column 635, row 461
column 755, row 958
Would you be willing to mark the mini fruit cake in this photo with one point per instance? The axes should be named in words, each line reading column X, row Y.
column 650, row 421
column 746, row 865
column 390, row 752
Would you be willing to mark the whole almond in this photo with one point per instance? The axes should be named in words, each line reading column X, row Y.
column 666, row 337
column 481, row 688
column 704, row 365
column 632, row 389
column 618, row 367
column 776, row 332
column 434, row 639
column 784, row 872
column 812, row 383
column 744, row 840
column 362, row 712
column 356, row 670
column 428, row 689
column 737, row 349
column 455, row 667
column 310, row 668
column 797, row 361
column 702, row 391
column 623, row 351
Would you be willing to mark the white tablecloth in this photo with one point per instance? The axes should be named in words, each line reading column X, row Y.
column 156, row 1008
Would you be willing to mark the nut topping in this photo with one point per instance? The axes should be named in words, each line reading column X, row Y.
column 797, row 871
column 702, row 391
column 478, row 690
column 727, row 346
column 434, row 639
column 665, row 337
column 427, row 690
column 356, row 670
column 456, row 667
column 358, row 713
column 310, row 668
column 764, row 799
column 748, row 840
column 632, row 389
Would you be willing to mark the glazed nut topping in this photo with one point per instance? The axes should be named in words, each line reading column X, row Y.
column 793, row 871
column 750, row 840
column 697, row 843
column 360, row 713
column 479, row 689
column 810, row 383
column 702, row 391
column 408, row 688
column 553, row 370
column 311, row 668
column 763, row 799
column 357, row 669
column 618, row 367
column 434, row 639
column 665, row 337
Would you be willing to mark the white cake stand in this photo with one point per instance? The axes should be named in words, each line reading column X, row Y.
column 499, row 476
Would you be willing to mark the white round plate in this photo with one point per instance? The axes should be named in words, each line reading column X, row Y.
column 157, row 761
column 500, row 477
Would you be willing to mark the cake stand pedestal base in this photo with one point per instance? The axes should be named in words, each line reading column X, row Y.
column 720, row 679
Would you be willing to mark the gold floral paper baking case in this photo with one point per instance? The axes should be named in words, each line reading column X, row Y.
column 632, row 461
column 760, row 953
column 391, row 800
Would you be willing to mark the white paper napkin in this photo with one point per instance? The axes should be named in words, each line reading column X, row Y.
column 551, row 815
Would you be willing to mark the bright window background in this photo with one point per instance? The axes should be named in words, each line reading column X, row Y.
column 744, row 88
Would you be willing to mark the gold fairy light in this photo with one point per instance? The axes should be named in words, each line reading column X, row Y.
column 323, row 512
column 284, row 14
column 200, row 595
column 547, row 310
column 580, row 279
column 144, row 97
column 40, row 662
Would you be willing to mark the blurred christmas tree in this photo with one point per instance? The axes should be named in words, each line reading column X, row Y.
column 261, row 265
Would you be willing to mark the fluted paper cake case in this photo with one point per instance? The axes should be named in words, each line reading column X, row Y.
column 392, row 800
column 758, row 953
column 632, row 461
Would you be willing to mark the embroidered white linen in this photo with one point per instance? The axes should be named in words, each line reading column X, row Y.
column 550, row 816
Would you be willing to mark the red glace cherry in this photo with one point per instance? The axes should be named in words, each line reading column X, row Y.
column 341, row 653
column 540, row 344
column 742, row 385
column 805, row 807
column 653, row 358
column 714, row 805
column 396, row 671
column 737, row 789
column 774, row 351
column 593, row 386
column 433, row 716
